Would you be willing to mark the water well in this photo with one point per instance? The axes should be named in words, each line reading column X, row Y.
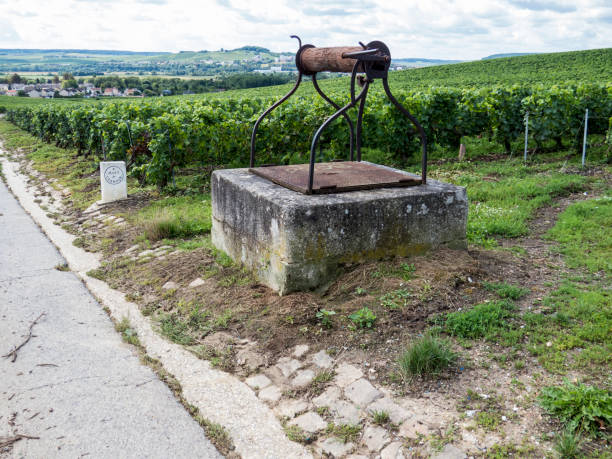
column 295, row 226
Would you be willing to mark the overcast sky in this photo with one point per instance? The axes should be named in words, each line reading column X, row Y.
column 443, row 29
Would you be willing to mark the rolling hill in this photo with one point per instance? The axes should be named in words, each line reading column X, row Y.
column 202, row 63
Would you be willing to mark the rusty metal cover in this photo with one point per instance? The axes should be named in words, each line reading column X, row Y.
column 335, row 177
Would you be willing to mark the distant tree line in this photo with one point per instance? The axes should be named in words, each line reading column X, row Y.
column 161, row 68
column 15, row 78
column 156, row 86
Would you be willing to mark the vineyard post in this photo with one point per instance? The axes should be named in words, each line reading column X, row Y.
column 526, row 135
column 102, row 144
column 171, row 158
column 127, row 123
column 584, row 140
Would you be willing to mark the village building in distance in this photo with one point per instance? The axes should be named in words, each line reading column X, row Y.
column 51, row 90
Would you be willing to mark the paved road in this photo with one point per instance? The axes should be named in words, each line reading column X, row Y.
column 75, row 384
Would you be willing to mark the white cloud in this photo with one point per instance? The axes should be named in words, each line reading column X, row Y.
column 8, row 34
column 435, row 28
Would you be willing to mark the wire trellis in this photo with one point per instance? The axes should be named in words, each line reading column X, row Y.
column 584, row 123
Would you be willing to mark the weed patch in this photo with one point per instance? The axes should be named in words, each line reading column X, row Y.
column 583, row 230
column 512, row 450
column 128, row 334
column 569, row 445
column 481, row 321
column 503, row 207
column 404, row 271
column 320, row 380
column 296, row 434
column 216, row 433
column 407, row 271
column 71, row 170
column 573, row 329
column 324, row 317
column 364, row 318
column 505, row 290
column 223, row 359
column 174, row 329
column 396, row 299
column 192, row 322
column 488, row 408
column 380, row 418
column 344, row 432
column 488, row 420
column 579, row 407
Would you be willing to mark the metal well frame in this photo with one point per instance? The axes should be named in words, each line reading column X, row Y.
column 374, row 59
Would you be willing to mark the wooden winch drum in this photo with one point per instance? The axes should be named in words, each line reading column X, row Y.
column 312, row 60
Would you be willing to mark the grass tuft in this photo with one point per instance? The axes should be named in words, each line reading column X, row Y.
column 176, row 217
column 295, row 433
column 320, row 380
column 568, row 445
column 128, row 334
column 380, row 418
column 345, row 432
column 426, row 356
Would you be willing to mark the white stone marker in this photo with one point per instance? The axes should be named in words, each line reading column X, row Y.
column 113, row 180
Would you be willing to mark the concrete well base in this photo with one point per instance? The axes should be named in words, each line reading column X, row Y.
column 298, row 242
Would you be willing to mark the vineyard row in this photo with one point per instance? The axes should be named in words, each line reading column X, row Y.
column 155, row 137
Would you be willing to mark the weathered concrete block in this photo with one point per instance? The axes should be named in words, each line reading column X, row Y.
column 297, row 242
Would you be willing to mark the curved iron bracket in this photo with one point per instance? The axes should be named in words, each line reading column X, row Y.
column 266, row 113
column 337, row 107
column 360, row 119
column 269, row 110
column 416, row 124
column 315, row 139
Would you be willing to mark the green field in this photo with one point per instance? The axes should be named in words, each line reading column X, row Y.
column 592, row 66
